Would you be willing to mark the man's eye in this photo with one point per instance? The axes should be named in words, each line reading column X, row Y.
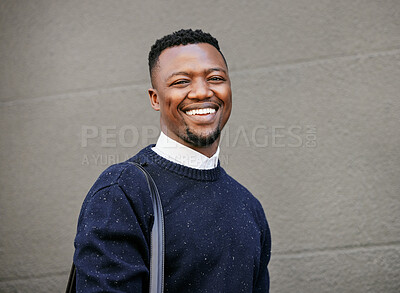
column 216, row 78
column 182, row 81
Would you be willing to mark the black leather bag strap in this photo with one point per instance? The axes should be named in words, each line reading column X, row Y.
column 71, row 286
column 157, row 242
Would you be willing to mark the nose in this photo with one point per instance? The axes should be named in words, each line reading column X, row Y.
column 200, row 90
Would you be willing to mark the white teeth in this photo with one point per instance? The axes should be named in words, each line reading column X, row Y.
column 201, row 111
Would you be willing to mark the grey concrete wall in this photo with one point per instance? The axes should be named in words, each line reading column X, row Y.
column 314, row 132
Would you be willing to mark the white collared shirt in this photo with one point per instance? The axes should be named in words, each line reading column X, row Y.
column 178, row 153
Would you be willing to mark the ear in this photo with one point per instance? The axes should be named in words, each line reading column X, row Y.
column 154, row 101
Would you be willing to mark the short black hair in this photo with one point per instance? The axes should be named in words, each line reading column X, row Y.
column 181, row 37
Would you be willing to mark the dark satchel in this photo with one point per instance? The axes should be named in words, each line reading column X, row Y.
column 157, row 242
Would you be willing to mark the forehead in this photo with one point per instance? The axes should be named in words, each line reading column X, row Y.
column 192, row 57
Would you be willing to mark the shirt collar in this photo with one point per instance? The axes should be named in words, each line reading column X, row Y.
column 178, row 153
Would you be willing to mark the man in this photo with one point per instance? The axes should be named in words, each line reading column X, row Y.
column 217, row 237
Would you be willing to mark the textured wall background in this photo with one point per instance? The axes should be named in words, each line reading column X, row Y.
column 314, row 133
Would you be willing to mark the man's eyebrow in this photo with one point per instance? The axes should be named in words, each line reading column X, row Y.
column 215, row 69
column 207, row 71
column 178, row 73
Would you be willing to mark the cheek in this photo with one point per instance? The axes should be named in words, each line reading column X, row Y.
column 173, row 100
column 170, row 108
column 165, row 105
column 226, row 96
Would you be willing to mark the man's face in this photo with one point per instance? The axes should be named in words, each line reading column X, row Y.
column 192, row 91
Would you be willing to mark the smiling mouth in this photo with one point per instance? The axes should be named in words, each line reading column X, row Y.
column 204, row 111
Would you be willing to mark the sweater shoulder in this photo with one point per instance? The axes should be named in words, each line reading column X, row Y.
column 237, row 185
column 119, row 174
column 122, row 180
column 244, row 193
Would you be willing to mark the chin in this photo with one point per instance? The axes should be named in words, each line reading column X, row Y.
column 201, row 140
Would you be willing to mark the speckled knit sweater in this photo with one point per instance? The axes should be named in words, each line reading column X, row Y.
column 217, row 236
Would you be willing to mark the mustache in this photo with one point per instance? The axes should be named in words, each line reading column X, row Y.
column 191, row 105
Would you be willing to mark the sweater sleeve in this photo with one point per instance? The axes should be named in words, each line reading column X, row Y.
column 262, row 283
column 112, row 244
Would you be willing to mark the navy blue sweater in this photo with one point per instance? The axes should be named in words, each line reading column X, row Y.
column 217, row 236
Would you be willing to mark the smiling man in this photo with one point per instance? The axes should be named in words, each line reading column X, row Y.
column 192, row 90
column 216, row 235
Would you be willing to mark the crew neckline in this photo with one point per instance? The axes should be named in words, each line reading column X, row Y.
column 148, row 156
